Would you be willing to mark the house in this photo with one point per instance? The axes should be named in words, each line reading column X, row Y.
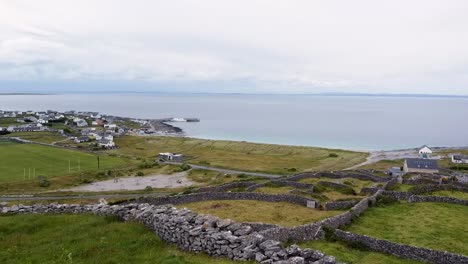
column 106, row 143
column 425, row 152
column 81, row 123
column 81, row 139
column 111, row 126
column 166, row 156
column 459, row 158
column 420, row 165
column 395, row 171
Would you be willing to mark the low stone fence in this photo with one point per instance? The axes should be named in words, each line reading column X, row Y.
column 429, row 188
column 338, row 175
column 225, row 187
column 293, row 184
column 197, row 197
column 193, row 232
column 436, row 199
column 389, row 184
column 369, row 190
column 397, row 195
column 404, row 251
column 314, row 230
column 339, row 205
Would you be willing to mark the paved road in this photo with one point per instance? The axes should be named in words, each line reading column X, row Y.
column 68, row 197
column 226, row 171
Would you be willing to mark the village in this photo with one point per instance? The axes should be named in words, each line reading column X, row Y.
column 86, row 128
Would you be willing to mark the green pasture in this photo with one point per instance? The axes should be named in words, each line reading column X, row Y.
column 23, row 161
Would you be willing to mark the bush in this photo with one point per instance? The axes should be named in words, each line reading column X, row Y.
column 185, row 167
column 146, row 165
column 43, row 182
column 385, row 200
column 242, row 176
column 148, row 189
column 4, row 132
column 333, row 155
column 140, row 173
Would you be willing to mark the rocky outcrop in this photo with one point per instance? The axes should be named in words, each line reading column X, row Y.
column 193, row 232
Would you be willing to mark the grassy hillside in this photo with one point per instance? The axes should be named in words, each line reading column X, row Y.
column 85, row 239
column 48, row 161
column 432, row 225
column 242, row 155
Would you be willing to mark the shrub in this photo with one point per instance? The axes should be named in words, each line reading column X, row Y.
column 86, row 180
column 185, row 167
column 292, row 169
column 242, row 176
column 43, row 182
column 146, row 165
column 385, row 200
column 333, row 155
column 140, row 173
column 148, row 189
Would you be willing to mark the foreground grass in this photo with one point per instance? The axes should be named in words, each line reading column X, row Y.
column 85, row 239
column 432, row 225
column 49, row 161
column 268, row 158
column 280, row 213
column 345, row 253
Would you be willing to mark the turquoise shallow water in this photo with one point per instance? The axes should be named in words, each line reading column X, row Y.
column 350, row 122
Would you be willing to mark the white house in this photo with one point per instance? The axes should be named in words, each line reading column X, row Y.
column 425, row 151
column 459, row 158
column 106, row 143
column 110, row 126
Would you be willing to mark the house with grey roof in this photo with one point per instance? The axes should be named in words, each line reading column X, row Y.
column 456, row 158
column 420, row 165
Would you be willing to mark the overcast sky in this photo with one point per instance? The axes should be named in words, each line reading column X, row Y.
column 369, row 46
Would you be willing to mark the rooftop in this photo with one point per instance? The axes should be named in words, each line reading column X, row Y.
column 429, row 164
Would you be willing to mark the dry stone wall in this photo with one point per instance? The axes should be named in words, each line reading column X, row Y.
column 404, row 251
column 339, row 175
column 339, row 205
column 314, row 230
column 193, row 232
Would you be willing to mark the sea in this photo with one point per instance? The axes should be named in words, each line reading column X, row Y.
column 367, row 123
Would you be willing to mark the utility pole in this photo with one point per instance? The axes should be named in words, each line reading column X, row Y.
column 29, row 173
column 24, row 173
column 79, row 164
column 98, row 162
column 69, row 170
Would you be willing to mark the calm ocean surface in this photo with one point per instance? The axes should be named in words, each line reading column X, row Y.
column 350, row 122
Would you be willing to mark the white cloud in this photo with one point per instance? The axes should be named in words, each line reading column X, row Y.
column 281, row 46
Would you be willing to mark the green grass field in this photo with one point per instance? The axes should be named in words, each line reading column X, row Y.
column 345, row 253
column 48, row 161
column 86, row 239
column 42, row 137
column 432, row 225
column 242, row 155
column 281, row 213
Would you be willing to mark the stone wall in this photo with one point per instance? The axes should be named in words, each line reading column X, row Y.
column 404, row 251
column 339, row 205
column 397, row 195
column 436, row 199
column 429, row 188
column 339, row 175
column 225, row 187
column 193, row 232
column 314, row 230
column 293, row 184
column 197, row 197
